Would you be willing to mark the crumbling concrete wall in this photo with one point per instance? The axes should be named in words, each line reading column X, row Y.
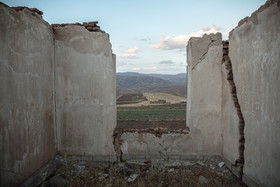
column 85, row 87
column 148, row 145
column 247, row 81
column 204, row 109
column 254, row 51
column 26, row 94
column 57, row 92
column 205, row 93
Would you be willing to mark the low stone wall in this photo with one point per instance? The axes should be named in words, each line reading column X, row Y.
column 150, row 144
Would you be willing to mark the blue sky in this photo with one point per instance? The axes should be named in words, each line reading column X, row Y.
column 148, row 36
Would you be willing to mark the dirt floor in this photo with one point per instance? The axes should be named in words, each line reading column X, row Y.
column 62, row 171
column 67, row 172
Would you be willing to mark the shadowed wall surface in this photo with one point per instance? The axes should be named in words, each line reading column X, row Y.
column 86, row 87
column 27, row 138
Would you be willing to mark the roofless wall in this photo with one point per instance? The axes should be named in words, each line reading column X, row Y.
column 247, row 91
column 27, row 136
column 57, row 92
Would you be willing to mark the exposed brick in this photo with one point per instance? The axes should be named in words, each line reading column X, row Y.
column 238, row 169
column 92, row 23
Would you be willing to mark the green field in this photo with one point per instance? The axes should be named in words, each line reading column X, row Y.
column 155, row 113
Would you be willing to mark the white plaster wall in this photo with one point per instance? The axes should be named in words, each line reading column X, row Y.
column 230, row 122
column 85, row 87
column 255, row 55
column 26, row 94
column 205, row 93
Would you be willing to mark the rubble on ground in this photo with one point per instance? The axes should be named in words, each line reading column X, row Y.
column 69, row 172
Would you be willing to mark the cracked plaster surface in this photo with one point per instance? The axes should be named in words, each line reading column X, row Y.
column 201, row 45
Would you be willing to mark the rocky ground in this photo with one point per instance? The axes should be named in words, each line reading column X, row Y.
column 68, row 172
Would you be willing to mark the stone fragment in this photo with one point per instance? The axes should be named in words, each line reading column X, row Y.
column 226, row 171
column 200, row 163
column 132, row 177
column 221, row 164
column 171, row 170
column 93, row 23
column 212, row 167
column 203, row 180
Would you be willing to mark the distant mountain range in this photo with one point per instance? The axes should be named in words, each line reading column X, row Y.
column 130, row 82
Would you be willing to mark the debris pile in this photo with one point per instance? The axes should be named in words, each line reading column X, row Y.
column 66, row 172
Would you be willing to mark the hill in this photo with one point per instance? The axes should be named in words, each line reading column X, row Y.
column 131, row 82
column 148, row 99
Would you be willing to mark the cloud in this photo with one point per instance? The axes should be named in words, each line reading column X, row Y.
column 166, row 62
column 131, row 50
column 180, row 41
column 167, row 43
column 154, row 68
column 129, row 53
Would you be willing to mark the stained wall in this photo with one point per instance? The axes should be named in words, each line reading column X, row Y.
column 57, row 92
column 254, row 51
column 85, row 91
column 254, row 54
column 27, row 136
column 204, row 97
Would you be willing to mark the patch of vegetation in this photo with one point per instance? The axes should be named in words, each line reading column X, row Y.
column 149, row 113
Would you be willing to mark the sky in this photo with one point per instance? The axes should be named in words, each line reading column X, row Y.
column 148, row 36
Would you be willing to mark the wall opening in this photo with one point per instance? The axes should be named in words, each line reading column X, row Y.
column 149, row 110
column 149, row 101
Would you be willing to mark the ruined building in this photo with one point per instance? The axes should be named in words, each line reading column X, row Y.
column 57, row 95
